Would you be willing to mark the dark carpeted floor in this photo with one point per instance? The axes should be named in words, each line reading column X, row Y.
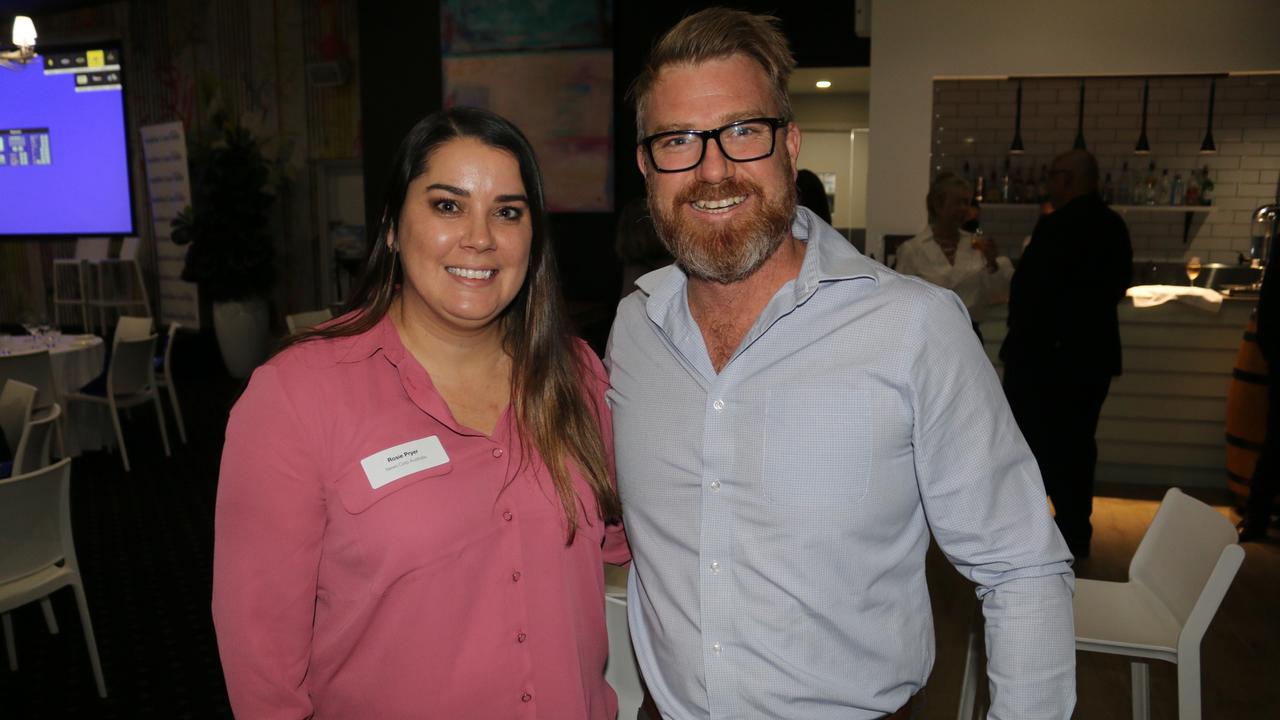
column 145, row 544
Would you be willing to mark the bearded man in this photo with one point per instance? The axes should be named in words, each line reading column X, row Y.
column 792, row 420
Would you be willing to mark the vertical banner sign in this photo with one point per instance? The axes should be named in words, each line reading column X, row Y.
column 164, row 151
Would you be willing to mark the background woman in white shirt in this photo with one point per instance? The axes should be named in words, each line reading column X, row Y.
column 949, row 257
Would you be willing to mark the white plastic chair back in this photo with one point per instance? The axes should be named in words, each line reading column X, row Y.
column 174, row 327
column 304, row 320
column 133, row 328
column 35, row 369
column 32, row 451
column 622, row 673
column 35, row 521
column 93, row 248
column 16, row 401
column 1178, row 554
column 131, row 368
column 129, row 248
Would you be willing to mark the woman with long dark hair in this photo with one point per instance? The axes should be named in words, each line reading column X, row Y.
column 416, row 499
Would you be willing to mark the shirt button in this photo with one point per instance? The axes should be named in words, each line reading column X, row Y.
column 715, row 648
column 506, row 515
column 515, row 576
column 715, row 567
column 715, row 484
column 718, row 404
column 521, row 637
column 526, row 697
column 497, row 452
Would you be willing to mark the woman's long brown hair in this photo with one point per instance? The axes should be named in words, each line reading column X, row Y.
column 553, row 413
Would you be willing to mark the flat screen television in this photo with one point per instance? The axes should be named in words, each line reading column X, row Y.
column 64, row 144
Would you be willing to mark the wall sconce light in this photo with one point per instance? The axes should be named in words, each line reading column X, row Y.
column 24, row 42
column 1143, row 147
column 1079, row 143
column 1208, row 147
column 1016, row 147
column 823, row 84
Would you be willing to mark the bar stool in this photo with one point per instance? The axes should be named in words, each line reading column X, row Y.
column 88, row 253
column 120, row 285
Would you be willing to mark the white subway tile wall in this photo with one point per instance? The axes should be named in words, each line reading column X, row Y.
column 973, row 123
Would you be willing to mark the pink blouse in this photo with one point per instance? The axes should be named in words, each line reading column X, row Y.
column 373, row 558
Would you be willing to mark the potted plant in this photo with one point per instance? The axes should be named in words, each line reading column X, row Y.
column 230, row 255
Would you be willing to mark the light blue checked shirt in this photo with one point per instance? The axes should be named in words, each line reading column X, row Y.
column 779, row 512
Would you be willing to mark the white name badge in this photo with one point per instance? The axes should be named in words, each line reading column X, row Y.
column 404, row 459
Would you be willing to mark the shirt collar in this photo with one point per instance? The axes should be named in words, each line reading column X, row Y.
column 381, row 337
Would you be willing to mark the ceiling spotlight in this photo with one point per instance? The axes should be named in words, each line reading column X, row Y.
column 824, row 84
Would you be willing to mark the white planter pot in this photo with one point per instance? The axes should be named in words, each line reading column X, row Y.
column 243, row 332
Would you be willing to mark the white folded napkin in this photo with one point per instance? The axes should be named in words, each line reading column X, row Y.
column 1145, row 296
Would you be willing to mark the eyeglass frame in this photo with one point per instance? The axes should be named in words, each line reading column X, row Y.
column 714, row 134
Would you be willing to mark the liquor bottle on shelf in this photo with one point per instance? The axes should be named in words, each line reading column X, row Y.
column 1206, row 188
column 1124, row 186
column 1149, row 185
column 1108, row 192
column 1178, row 190
column 1029, row 185
column 1006, row 193
column 979, row 189
column 1042, row 184
column 1163, row 189
column 1192, row 195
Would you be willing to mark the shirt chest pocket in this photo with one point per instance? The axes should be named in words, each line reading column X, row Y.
column 817, row 448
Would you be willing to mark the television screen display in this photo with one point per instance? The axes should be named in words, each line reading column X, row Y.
column 64, row 151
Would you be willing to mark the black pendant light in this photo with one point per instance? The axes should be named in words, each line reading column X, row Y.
column 1143, row 147
column 1016, row 147
column 1079, row 143
column 1208, row 147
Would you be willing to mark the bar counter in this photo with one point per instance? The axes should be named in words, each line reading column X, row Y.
column 1164, row 421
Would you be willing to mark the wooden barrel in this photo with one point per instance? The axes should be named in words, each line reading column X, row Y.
column 1246, row 411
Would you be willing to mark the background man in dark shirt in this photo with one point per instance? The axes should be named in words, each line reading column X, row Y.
column 1063, row 345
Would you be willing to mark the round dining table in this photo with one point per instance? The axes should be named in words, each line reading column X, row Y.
column 77, row 360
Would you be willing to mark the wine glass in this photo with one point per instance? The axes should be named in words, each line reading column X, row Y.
column 1193, row 270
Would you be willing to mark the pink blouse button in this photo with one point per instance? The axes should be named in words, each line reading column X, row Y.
column 515, row 576
column 526, row 697
column 497, row 452
column 506, row 515
column 521, row 637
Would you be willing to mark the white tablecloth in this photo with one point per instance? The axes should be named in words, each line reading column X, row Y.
column 77, row 360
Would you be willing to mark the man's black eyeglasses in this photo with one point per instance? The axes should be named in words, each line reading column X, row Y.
column 741, row 141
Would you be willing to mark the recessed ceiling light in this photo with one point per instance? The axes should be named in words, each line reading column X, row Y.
column 824, row 84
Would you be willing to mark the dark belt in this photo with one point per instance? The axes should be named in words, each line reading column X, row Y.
column 902, row 713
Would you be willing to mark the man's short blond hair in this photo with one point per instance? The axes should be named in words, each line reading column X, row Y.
column 715, row 34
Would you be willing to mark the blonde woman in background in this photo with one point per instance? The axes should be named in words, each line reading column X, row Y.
column 947, row 256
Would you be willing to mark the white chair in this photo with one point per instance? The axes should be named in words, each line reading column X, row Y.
column 40, row 554
column 36, row 369
column 973, row 671
column 88, row 252
column 164, row 365
column 120, row 284
column 131, row 327
column 32, row 451
column 1181, row 571
column 304, row 320
column 16, row 399
column 622, row 673
column 130, row 381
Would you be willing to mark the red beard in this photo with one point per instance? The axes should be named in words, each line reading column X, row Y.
column 725, row 252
